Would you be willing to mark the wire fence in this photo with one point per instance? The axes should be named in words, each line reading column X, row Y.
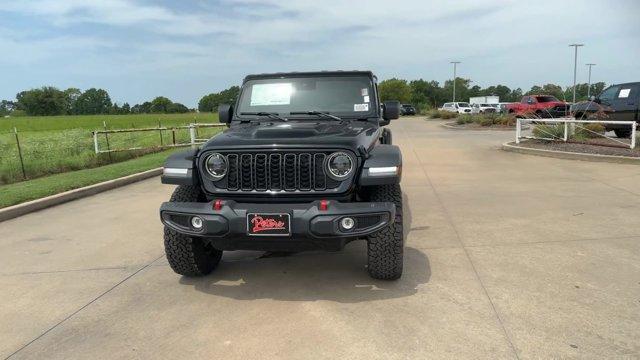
column 32, row 154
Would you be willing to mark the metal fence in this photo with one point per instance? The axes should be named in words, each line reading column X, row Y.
column 579, row 124
column 168, row 143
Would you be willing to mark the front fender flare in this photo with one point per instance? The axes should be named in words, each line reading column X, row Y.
column 382, row 167
column 180, row 169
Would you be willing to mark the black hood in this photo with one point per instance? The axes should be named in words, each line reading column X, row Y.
column 297, row 133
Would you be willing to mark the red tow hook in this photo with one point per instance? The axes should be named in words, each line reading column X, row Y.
column 324, row 205
column 217, row 205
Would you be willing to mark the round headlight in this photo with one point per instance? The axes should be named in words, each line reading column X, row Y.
column 216, row 165
column 339, row 165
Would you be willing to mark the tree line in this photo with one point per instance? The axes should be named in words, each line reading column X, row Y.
column 421, row 93
column 429, row 94
column 48, row 100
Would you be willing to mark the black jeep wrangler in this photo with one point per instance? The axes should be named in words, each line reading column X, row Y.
column 305, row 164
column 617, row 102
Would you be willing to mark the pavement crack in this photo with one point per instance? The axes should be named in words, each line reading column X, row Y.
column 64, row 271
column 84, row 307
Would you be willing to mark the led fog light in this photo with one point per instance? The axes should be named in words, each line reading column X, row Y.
column 196, row 222
column 347, row 223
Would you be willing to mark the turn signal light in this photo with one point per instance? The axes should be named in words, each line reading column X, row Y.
column 324, row 205
column 217, row 205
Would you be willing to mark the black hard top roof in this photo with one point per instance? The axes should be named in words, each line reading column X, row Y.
column 311, row 74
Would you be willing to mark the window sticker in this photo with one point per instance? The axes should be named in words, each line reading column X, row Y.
column 364, row 92
column 360, row 107
column 366, row 98
column 624, row 93
column 271, row 94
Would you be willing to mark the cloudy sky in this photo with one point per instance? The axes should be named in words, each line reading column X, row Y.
column 139, row 49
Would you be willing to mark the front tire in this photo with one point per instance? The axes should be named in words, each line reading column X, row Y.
column 385, row 247
column 187, row 255
column 622, row 133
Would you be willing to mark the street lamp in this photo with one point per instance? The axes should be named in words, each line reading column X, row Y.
column 575, row 67
column 589, row 88
column 454, row 78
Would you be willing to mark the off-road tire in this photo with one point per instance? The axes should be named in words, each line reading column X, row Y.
column 187, row 255
column 622, row 133
column 385, row 247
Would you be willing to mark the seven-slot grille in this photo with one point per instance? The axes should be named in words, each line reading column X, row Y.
column 278, row 171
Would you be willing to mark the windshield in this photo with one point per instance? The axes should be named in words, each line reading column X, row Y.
column 463, row 104
column 343, row 96
column 544, row 99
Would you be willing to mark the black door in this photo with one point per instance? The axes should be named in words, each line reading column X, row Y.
column 624, row 104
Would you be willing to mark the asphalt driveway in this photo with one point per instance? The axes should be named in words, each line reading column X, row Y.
column 507, row 256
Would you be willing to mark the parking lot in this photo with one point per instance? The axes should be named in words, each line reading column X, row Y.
column 507, row 256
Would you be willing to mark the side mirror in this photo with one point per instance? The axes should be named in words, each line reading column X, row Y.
column 225, row 112
column 391, row 110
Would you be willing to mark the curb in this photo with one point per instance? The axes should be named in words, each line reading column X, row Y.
column 57, row 199
column 571, row 155
column 450, row 125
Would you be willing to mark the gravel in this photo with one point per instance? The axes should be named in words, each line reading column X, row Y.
column 594, row 147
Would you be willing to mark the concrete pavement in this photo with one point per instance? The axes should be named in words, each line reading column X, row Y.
column 507, row 256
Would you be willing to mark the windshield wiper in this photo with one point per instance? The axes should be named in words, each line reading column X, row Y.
column 314, row 112
column 267, row 114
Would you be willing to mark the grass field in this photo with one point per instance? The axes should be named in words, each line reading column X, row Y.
column 95, row 122
column 58, row 144
column 33, row 189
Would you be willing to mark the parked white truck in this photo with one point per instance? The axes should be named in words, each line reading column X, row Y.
column 484, row 100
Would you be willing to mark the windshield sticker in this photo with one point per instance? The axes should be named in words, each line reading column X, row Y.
column 364, row 92
column 624, row 93
column 366, row 98
column 271, row 94
column 360, row 107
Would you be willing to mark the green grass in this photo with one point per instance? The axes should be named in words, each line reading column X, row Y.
column 65, row 143
column 34, row 189
column 95, row 122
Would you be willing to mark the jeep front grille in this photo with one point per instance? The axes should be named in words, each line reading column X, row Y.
column 278, row 171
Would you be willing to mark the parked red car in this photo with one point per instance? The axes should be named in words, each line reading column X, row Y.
column 541, row 106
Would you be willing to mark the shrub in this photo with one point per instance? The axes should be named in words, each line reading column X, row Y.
column 589, row 131
column 549, row 131
column 439, row 114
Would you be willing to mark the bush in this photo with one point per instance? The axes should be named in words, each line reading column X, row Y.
column 439, row 114
column 549, row 131
column 589, row 131
column 488, row 119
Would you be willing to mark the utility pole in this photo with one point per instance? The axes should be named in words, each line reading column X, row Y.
column 454, row 78
column 589, row 88
column 575, row 68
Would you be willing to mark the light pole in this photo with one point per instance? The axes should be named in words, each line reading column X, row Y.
column 454, row 78
column 575, row 67
column 589, row 88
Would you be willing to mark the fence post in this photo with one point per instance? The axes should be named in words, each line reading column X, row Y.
column 518, row 130
column 633, row 135
column 192, row 133
column 173, row 135
column 160, row 131
column 24, row 173
column 566, row 131
column 106, row 137
column 95, row 141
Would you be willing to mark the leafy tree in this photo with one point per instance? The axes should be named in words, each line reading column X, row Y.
column 425, row 93
column 46, row 100
column 93, row 101
column 7, row 107
column 210, row 102
column 394, row 89
column 462, row 90
column 125, row 109
column 72, row 95
column 160, row 104
column 177, row 108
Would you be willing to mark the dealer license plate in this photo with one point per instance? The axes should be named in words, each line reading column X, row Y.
column 278, row 224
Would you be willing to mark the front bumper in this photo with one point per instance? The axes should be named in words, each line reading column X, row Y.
column 227, row 226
